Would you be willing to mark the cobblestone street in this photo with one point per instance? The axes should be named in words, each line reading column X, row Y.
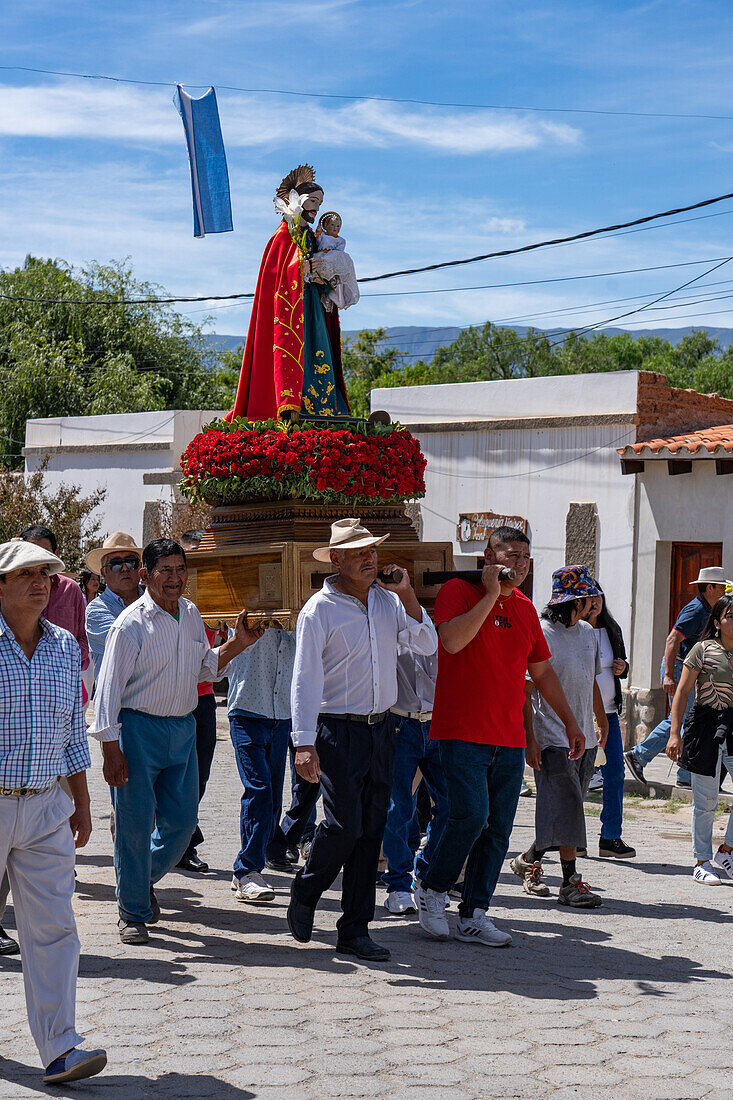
column 631, row 1000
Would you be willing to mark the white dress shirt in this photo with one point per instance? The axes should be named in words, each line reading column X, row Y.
column 346, row 655
column 416, row 676
column 152, row 662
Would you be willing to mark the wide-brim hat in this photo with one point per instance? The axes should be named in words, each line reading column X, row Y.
column 347, row 534
column 711, row 574
column 119, row 542
column 572, row 583
column 18, row 554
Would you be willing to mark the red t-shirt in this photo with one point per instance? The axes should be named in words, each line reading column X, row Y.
column 479, row 694
column 206, row 687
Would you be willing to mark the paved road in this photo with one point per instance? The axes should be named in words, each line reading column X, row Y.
column 632, row 1000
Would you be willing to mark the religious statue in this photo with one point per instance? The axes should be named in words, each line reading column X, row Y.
column 292, row 358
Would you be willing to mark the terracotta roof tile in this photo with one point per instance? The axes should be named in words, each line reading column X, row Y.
column 705, row 443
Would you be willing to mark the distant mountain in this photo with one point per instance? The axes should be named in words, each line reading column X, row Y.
column 421, row 343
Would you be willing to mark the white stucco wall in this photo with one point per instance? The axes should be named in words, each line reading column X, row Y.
column 582, row 394
column 115, row 452
column 535, row 473
column 694, row 507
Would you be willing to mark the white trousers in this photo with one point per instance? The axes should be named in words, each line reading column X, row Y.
column 37, row 849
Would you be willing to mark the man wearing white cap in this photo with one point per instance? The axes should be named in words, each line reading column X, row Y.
column 42, row 736
column 344, row 683
column 711, row 585
column 117, row 561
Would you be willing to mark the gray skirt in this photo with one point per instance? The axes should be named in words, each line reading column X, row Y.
column 562, row 784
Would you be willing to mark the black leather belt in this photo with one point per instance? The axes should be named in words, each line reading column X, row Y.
column 363, row 719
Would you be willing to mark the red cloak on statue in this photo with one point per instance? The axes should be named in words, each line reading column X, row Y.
column 271, row 380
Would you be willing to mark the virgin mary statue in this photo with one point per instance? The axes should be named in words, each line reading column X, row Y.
column 292, row 358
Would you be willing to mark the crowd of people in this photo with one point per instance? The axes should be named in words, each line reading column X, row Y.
column 412, row 734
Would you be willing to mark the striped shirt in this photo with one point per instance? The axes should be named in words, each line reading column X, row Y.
column 101, row 612
column 42, row 730
column 152, row 662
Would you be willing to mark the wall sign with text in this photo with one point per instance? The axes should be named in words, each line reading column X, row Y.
column 477, row 526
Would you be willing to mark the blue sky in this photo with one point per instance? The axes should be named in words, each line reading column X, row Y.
column 95, row 170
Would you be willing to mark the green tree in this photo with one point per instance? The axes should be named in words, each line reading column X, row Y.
column 25, row 500
column 487, row 352
column 63, row 355
column 367, row 363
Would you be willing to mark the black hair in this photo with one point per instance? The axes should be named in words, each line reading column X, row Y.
column 702, row 588
column 721, row 605
column 504, row 535
column 561, row 612
column 605, row 618
column 37, row 531
column 161, row 548
column 84, row 578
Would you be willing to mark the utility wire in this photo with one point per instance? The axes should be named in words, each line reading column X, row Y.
column 389, row 275
column 381, row 98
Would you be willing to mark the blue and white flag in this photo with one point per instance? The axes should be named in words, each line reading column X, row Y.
column 212, row 207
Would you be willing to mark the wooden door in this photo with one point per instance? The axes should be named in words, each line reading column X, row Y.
column 688, row 558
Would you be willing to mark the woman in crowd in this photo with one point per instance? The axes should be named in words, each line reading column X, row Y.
column 614, row 667
column 707, row 739
column 89, row 583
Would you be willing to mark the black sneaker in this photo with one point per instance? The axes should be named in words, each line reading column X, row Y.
column 615, row 849
column 635, row 767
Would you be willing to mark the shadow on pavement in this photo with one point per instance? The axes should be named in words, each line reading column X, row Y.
column 125, row 1084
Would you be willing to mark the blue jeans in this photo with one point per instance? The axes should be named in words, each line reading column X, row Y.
column 483, row 782
column 261, row 747
column 612, row 811
column 413, row 750
column 656, row 741
column 156, row 810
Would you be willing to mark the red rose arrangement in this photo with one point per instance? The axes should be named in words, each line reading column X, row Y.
column 269, row 460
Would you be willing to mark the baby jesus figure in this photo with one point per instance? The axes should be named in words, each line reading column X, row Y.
column 334, row 265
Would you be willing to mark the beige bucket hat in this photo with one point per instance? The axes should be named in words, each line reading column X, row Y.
column 117, row 543
column 347, row 534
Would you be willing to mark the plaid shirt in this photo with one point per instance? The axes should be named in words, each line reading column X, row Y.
column 42, row 729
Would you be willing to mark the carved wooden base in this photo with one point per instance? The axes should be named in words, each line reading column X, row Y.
column 298, row 521
column 275, row 579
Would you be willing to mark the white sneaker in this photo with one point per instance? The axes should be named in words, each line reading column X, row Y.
column 724, row 860
column 706, row 873
column 253, row 889
column 399, row 902
column 431, row 913
column 480, row 928
column 596, row 783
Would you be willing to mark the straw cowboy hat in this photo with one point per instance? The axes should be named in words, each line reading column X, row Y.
column 116, row 543
column 18, row 554
column 347, row 534
column 712, row 574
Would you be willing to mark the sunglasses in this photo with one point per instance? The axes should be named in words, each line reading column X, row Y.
column 118, row 564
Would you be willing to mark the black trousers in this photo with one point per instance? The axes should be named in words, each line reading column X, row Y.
column 205, row 715
column 356, row 782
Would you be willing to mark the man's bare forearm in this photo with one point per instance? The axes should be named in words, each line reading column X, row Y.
column 457, row 633
column 78, row 787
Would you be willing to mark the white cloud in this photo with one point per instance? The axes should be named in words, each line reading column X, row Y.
column 275, row 14
column 504, row 225
column 124, row 114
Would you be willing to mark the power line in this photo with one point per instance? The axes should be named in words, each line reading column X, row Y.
column 382, row 98
column 538, row 282
column 545, row 244
column 389, row 275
